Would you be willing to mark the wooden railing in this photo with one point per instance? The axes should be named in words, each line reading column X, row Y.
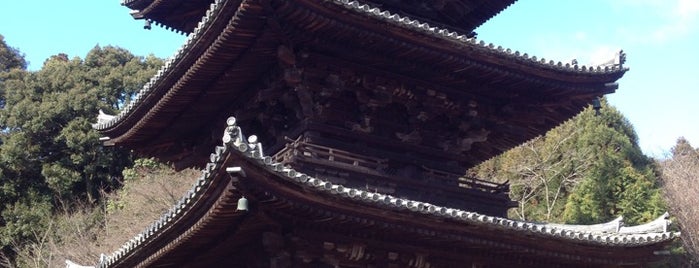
column 466, row 181
column 352, row 161
column 340, row 156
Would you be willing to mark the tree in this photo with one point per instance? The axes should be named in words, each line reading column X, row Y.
column 49, row 152
column 12, row 64
column 10, row 58
column 682, row 148
column 542, row 172
column 679, row 177
column 588, row 170
column 621, row 180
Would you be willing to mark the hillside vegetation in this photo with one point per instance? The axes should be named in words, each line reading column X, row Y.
column 587, row 170
column 51, row 160
column 84, row 232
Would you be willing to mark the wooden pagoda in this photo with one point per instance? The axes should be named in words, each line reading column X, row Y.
column 370, row 112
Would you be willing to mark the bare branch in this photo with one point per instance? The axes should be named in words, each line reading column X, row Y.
column 681, row 188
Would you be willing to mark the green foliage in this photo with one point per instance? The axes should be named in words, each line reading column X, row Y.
column 620, row 181
column 47, row 145
column 10, row 58
column 23, row 219
column 141, row 167
column 588, row 170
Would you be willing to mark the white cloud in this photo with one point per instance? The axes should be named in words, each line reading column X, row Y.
column 581, row 46
column 602, row 54
column 580, row 36
column 672, row 19
column 630, row 23
column 687, row 9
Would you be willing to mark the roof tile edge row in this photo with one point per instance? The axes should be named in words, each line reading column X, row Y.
column 167, row 67
column 173, row 214
column 234, row 140
column 462, row 39
column 401, row 21
column 126, row 2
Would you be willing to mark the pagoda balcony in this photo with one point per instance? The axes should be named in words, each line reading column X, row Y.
column 385, row 176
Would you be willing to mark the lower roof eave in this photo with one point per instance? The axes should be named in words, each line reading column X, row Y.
column 239, row 168
column 321, row 207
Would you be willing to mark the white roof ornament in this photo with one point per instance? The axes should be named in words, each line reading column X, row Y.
column 70, row 264
column 610, row 227
column 617, row 61
column 659, row 225
column 102, row 118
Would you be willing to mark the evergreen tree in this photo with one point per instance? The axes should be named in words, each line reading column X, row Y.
column 50, row 154
column 588, row 170
column 12, row 63
column 10, row 58
column 621, row 180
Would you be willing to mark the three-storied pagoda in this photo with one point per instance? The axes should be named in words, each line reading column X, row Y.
column 370, row 112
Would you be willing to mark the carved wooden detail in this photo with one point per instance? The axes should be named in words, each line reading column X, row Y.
column 379, row 106
column 372, row 131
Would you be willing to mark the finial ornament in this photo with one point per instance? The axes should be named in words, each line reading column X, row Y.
column 622, row 58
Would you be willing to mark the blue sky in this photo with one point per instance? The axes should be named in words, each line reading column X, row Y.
column 41, row 28
column 658, row 95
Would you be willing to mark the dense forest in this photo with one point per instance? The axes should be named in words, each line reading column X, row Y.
column 64, row 196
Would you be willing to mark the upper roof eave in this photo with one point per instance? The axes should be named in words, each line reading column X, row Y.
column 499, row 54
column 136, row 4
column 464, row 41
column 173, row 66
column 459, row 15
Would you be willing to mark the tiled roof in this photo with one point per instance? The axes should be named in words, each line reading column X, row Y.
column 396, row 19
column 167, row 67
column 611, row 234
column 595, row 234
